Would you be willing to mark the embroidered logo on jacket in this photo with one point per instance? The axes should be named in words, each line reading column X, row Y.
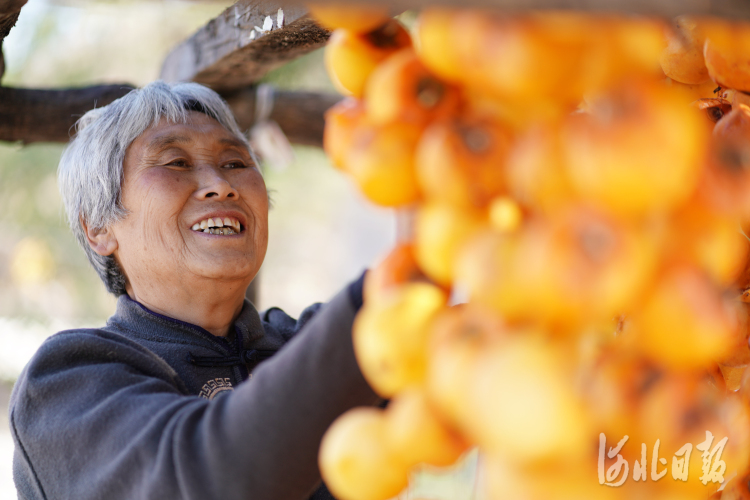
column 216, row 386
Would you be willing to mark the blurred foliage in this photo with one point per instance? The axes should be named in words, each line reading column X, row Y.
column 30, row 207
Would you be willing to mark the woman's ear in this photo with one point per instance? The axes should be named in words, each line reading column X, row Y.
column 102, row 241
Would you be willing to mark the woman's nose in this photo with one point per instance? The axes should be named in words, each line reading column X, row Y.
column 213, row 184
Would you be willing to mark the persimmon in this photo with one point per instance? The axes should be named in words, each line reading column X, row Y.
column 583, row 265
column 735, row 362
column 536, row 173
column 682, row 60
column 435, row 36
column 340, row 122
column 737, row 488
column 622, row 47
column 355, row 18
column 733, row 375
column 417, row 434
column 613, row 387
column 401, row 88
column 458, row 336
column 461, row 160
column 596, row 265
column 725, row 183
column 707, row 90
column 440, row 232
column 381, row 162
column 351, row 57
column 398, row 268
column 521, row 404
column 639, row 150
column 725, row 51
column 484, row 267
column 354, row 461
column 542, row 55
column 505, row 214
column 684, row 322
column 391, row 336
column 710, row 240
column 715, row 108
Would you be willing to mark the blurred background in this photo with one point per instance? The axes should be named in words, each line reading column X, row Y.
column 322, row 233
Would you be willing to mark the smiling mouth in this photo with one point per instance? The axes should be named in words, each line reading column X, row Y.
column 217, row 225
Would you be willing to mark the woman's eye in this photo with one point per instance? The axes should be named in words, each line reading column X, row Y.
column 235, row 164
column 177, row 163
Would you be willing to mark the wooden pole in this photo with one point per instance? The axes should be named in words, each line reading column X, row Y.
column 36, row 115
column 243, row 43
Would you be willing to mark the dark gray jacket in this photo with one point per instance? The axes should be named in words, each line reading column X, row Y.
column 150, row 407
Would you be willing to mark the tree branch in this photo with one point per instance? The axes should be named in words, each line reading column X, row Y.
column 242, row 44
column 33, row 115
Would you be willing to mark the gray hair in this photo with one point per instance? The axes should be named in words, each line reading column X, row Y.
column 91, row 168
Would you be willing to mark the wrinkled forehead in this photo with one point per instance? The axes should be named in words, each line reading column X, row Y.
column 198, row 129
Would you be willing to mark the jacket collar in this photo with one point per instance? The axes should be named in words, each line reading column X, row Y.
column 137, row 318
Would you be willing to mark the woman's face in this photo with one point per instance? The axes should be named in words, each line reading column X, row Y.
column 176, row 178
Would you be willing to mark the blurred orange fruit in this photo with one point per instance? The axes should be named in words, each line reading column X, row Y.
column 521, row 403
column 398, row 268
column 340, row 122
column 705, row 90
column 391, row 336
column 725, row 183
column 737, row 488
column 416, row 433
column 351, row 57
column 536, row 173
column 506, row 215
column 710, row 240
column 713, row 107
column 582, row 266
column 434, row 37
column 440, row 231
column 354, row 461
column 684, row 322
column 355, row 18
column 461, row 160
column 381, row 162
column 682, row 59
column 458, row 336
column 726, row 48
column 621, row 48
column 402, row 88
column 638, row 151
column 542, row 55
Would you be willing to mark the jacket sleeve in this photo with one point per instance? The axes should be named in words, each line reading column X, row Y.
column 95, row 415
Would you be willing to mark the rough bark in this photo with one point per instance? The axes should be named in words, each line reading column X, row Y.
column 299, row 114
column 41, row 115
column 233, row 51
column 9, row 10
column 34, row 115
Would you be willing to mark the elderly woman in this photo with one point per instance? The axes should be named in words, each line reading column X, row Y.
column 167, row 400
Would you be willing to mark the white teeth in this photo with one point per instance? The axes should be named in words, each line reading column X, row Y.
column 230, row 225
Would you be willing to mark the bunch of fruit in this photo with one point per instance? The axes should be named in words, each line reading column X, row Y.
column 581, row 179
